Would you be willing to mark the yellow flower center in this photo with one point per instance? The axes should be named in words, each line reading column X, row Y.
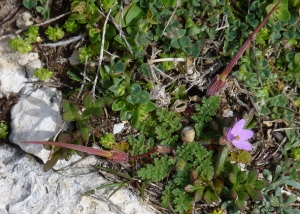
column 237, row 137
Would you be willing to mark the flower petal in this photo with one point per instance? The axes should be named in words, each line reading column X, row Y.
column 246, row 134
column 244, row 145
column 238, row 127
column 230, row 137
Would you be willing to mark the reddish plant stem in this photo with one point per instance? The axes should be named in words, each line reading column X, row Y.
column 219, row 80
column 113, row 155
column 158, row 149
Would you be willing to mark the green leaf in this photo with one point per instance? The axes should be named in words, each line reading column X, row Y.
column 87, row 100
column 252, row 176
column 74, row 76
column 103, row 101
column 292, row 183
column 184, row 42
column 71, row 111
column 260, row 184
column 232, row 178
column 144, row 69
column 143, row 97
column 294, row 3
column 274, row 202
column 174, row 43
column 278, row 100
column 291, row 199
column 199, row 193
column 134, row 14
column 156, row 171
column 135, row 89
column 119, row 67
column 149, row 106
column 133, row 99
column 124, row 175
column 118, row 104
column 193, row 51
column 107, row 4
column 84, row 129
column 190, row 188
column 282, row 14
column 240, row 204
column 297, row 59
column 169, row 3
column 96, row 111
column 94, row 35
column 125, row 114
column 138, row 115
column 242, row 176
column 29, row 4
column 209, row 196
column 254, row 194
column 54, row 158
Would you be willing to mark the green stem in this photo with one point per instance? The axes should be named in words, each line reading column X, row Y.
column 221, row 160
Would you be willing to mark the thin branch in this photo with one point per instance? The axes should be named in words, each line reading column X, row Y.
column 54, row 19
column 9, row 36
column 101, row 53
column 119, row 28
column 151, row 61
column 66, row 42
column 174, row 11
column 84, row 80
column 283, row 129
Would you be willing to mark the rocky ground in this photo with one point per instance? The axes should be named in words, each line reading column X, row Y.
column 32, row 111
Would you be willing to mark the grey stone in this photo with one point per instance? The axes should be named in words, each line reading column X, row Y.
column 26, row 188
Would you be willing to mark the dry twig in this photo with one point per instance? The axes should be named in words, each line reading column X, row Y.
column 101, row 52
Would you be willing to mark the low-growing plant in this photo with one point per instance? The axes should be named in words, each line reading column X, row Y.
column 3, row 130
column 73, row 113
column 71, row 26
column 204, row 113
column 24, row 45
column 32, row 33
column 274, row 199
column 55, row 33
column 135, row 106
column 43, row 73
column 107, row 140
column 20, row 45
column 44, row 9
column 202, row 170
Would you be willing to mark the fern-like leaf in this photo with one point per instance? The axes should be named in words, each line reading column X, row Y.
column 157, row 171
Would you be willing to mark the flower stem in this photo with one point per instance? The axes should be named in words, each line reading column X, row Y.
column 219, row 81
column 113, row 155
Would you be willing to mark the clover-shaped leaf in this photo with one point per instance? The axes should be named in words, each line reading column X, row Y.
column 118, row 67
column 133, row 99
column 135, row 89
column 149, row 106
column 143, row 97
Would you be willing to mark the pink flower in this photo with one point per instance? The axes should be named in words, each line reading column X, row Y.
column 239, row 136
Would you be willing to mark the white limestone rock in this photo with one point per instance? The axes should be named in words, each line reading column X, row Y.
column 118, row 128
column 36, row 117
column 26, row 188
column 12, row 69
column 24, row 20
